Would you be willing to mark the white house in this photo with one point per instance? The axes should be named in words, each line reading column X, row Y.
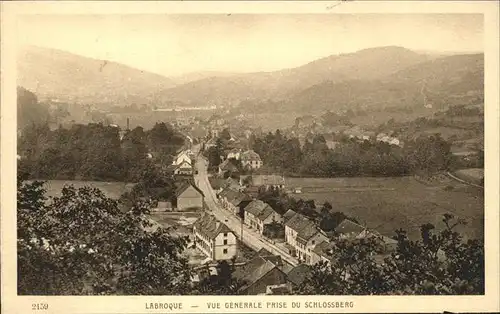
column 214, row 238
column 234, row 153
column 183, row 156
column 250, row 160
column 307, row 239
column 302, row 235
column 252, row 212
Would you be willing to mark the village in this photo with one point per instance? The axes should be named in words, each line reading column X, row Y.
column 272, row 252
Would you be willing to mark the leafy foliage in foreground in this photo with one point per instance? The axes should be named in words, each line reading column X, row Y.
column 80, row 243
column 438, row 264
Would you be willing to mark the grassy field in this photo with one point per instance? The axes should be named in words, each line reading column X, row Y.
column 111, row 189
column 387, row 204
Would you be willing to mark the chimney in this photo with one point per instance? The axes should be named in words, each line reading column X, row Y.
column 128, row 124
column 217, row 225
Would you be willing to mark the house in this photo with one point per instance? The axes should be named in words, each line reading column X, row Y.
column 227, row 167
column 348, row 229
column 250, row 160
column 289, row 214
column 234, row 154
column 188, row 196
column 323, row 252
column 181, row 157
column 292, row 227
column 302, row 235
column 275, row 259
column 382, row 137
column 252, row 191
column 297, row 275
column 258, row 274
column 184, row 168
column 307, row 239
column 210, row 143
column 234, row 201
column 214, row 238
column 252, row 212
column 264, row 180
column 385, row 243
column 267, row 216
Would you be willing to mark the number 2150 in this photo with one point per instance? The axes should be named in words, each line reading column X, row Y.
column 39, row 306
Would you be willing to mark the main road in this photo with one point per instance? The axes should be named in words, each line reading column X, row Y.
column 251, row 238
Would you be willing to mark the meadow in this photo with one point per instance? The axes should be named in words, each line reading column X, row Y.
column 111, row 189
column 387, row 204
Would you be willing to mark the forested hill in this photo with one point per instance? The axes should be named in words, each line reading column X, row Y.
column 438, row 83
column 370, row 63
column 72, row 78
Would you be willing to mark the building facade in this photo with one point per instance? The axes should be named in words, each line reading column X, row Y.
column 252, row 212
column 181, row 157
column 250, row 160
column 188, row 197
column 214, row 238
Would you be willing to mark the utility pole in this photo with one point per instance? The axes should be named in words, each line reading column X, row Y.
column 242, row 230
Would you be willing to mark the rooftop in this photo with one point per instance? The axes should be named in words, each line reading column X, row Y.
column 249, row 155
column 324, row 249
column 268, row 211
column 267, row 179
column 209, row 226
column 252, row 271
column 288, row 215
column 184, row 186
column 298, row 222
column 299, row 273
column 347, row 227
column 256, row 207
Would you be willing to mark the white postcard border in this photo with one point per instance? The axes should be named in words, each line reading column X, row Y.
column 11, row 303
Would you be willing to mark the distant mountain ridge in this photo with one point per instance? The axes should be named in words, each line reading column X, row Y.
column 437, row 83
column 365, row 64
column 376, row 77
column 73, row 78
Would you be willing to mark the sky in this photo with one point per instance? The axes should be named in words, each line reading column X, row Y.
column 173, row 45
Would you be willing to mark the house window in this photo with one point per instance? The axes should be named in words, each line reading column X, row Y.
column 224, row 251
column 225, row 242
column 225, row 235
column 313, row 242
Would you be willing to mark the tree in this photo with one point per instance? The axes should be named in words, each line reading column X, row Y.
column 221, row 283
column 81, row 243
column 441, row 263
column 29, row 110
column 429, row 154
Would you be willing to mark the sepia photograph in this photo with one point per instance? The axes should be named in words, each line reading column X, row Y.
column 231, row 154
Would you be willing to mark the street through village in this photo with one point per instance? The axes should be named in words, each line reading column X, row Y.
column 248, row 236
